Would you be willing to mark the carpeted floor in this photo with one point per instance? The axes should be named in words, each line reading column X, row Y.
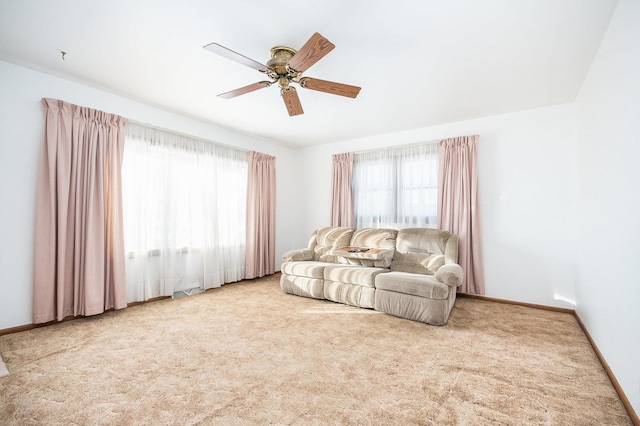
column 3, row 368
column 248, row 354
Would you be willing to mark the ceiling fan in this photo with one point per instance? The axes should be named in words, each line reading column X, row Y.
column 285, row 67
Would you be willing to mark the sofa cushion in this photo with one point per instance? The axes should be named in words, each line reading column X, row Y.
column 311, row 269
column 434, row 262
column 373, row 238
column 326, row 239
column 413, row 284
column 352, row 274
column 418, row 250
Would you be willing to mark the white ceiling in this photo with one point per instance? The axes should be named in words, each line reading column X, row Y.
column 419, row 63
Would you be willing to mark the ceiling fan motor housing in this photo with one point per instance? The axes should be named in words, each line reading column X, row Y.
column 280, row 56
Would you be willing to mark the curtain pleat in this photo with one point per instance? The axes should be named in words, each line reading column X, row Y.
column 79, row 248
column 342, row 204
column 261, row 214
column 458, row 207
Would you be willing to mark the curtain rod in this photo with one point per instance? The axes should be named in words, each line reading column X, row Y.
column 185, row 135
column 398, row 146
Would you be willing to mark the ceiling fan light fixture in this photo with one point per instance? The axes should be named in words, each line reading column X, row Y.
column 283, row 82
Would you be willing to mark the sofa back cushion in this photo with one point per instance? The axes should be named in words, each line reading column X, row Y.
column 328, row 238
column 424, row 250
column 373, row 238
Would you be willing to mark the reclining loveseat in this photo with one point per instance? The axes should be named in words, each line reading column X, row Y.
column 411, row 273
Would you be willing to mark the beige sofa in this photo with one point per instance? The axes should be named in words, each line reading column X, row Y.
column 411, row 273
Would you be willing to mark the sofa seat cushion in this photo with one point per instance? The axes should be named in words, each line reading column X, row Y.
column 311, row 269
column 413, row 284
column 358, row 275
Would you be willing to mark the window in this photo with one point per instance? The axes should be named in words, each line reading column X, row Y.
column 396, row 188
column 184, row 213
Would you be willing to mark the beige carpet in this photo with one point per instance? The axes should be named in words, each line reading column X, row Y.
column 249, row 354
column 3, row 368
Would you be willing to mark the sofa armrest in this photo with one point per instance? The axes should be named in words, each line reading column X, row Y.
column 296, row 255
column 450, row 274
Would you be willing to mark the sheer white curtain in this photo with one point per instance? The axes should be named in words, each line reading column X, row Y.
column 184, row 205
column 397, row 187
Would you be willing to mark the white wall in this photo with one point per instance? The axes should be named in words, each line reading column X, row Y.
column 526, row 178
column 608, row 134
column 21, row 126
column 527, row 185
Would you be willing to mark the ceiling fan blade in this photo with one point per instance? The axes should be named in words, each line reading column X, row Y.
column 245, row 89
column 313, row 50
column 292, row 101
column 330, row 87
column 235, row 56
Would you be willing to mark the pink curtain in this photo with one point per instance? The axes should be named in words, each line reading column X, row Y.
column 458, row 209
column 261, row 216
column 342, row 206
column 79, row 243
